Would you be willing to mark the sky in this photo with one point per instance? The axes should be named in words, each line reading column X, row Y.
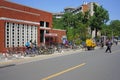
column 53, row 6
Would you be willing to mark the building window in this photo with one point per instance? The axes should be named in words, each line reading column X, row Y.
column 7, row 28
column 18, row 34
column 41, row 23
column 47, row 24
column 47, row 31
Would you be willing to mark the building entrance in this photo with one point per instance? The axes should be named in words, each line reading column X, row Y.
column 41, row 36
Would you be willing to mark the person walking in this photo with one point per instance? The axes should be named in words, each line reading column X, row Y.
column 102, row 43
column 108, row 44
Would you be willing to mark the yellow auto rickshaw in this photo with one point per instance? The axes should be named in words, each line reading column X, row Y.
column 90, row 44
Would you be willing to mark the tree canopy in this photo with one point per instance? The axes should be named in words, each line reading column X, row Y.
column 77, row 25
column 99, row 18
column 115, row 27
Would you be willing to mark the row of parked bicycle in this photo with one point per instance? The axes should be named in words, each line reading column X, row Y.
column 32, row 50
column 38, row 50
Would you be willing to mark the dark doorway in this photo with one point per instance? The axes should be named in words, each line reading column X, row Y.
column 41, row 36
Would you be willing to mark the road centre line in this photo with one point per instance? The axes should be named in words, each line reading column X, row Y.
column 64, row 71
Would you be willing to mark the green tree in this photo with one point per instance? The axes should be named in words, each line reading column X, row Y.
column 58, row 23
column 99, row 18
column 106, row 31
column 69, row 23
column 67, row 20
column 115, row 27
column 75, row 24
column 70, row 35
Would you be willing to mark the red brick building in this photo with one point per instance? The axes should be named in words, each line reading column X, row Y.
column 19, row 24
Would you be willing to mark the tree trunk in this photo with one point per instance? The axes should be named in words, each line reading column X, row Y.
column 96, row 30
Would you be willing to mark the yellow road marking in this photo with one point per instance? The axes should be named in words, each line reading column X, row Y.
column 64, row 71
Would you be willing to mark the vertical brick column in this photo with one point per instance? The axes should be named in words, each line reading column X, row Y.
column 38, row 34
column 2, row 36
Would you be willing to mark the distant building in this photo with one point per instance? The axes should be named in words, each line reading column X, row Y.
column 19, row 24
column 69, row 9
column 83, row 8
column 58, row 15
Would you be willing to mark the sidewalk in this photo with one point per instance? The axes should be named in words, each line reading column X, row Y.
column 17, row 59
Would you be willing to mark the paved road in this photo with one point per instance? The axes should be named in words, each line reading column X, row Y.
column 86, row 65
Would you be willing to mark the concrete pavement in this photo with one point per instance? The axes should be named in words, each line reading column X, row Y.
column 18, row 59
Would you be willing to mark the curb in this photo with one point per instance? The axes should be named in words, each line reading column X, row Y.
column 8, row 63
